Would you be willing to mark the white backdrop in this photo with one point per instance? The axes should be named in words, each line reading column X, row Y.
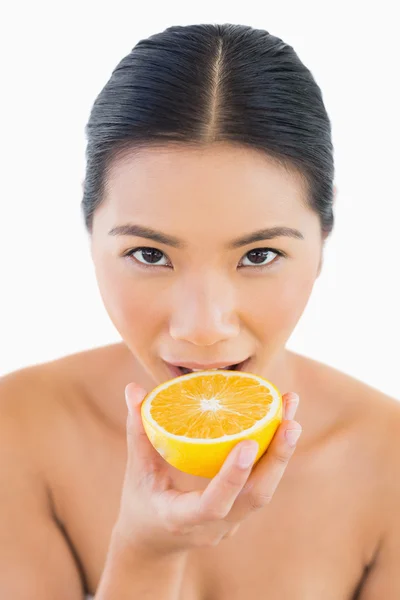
column 55, row 58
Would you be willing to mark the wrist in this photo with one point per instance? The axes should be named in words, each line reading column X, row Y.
column 127, row 549
column 133, row 570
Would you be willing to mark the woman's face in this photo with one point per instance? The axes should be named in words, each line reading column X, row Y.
column 188, row 287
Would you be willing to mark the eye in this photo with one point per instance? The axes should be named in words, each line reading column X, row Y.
column 258, row 256
column 150, row 256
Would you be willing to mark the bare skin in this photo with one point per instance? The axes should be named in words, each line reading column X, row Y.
column 314, row 539
column 332, row 527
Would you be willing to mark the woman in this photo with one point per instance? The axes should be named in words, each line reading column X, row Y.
column 208, row 200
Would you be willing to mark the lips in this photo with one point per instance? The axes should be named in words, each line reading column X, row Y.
column 177, row 371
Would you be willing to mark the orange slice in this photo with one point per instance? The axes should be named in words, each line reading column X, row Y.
column 195, row 420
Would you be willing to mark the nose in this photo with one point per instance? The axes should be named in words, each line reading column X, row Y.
column 204, row 313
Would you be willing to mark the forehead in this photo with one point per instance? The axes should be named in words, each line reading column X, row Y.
column 173, row 185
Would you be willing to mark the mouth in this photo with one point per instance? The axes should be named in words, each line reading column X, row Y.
column 177, row 371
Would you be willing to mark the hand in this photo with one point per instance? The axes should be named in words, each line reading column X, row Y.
column 156, row 518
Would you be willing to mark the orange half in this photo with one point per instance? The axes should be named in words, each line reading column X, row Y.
column 195, row 420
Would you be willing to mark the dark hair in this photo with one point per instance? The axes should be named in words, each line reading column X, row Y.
column 200, row 84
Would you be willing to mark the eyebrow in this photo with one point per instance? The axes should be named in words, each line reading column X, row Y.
column 170, row 240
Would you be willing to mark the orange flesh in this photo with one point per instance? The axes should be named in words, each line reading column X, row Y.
column 208, row 408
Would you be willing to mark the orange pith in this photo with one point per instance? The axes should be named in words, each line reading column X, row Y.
column 194, row 421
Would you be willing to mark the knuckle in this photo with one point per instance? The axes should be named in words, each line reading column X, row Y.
column 178, row 529
column 258, row 500
column 282, row 458
column 214, row 513
column 232, row 481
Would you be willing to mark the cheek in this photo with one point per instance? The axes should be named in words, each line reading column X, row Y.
column 129, row 303
column 294, row 296
column 278, row 305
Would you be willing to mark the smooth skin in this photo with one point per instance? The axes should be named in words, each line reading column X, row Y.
column 167, row 523
column 324, row 524
column 198, row 517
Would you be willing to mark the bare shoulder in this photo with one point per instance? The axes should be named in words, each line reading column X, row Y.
column 28, row 391
column 327, row 379
column 370, row 464
column 45, row 403
column 32, row 395
column 33, row 417
column 372, row 415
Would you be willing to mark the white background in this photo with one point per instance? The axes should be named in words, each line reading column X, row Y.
column 56, row 57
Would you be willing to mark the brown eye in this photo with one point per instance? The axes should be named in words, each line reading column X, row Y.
column 261, row 257
column 147, row 256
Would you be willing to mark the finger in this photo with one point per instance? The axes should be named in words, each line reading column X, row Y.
column 291, row 404
column 220, row 494
column 215, row 502
column 142, row 456
column 270, row 468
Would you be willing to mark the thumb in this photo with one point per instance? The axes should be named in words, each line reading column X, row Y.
column 142, row 457
column 134, row 396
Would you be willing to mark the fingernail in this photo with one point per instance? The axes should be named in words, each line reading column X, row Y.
column 247, row 456
column 292, row 435
column 291, row 408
